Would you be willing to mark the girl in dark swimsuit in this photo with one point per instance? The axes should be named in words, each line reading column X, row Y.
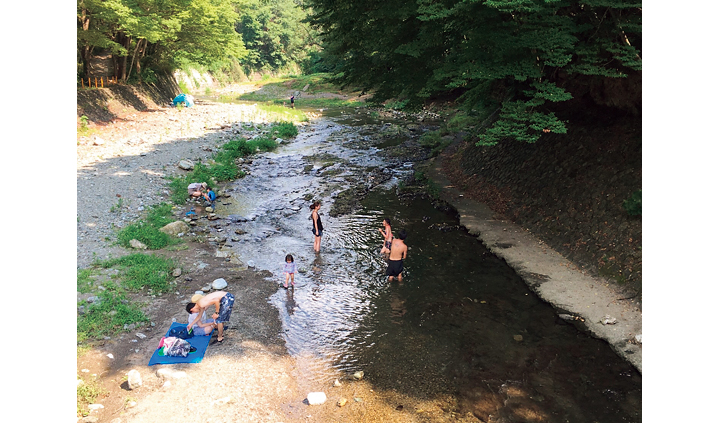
column 317, row 225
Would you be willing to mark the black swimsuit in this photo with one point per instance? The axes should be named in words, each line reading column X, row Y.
column 319, row 225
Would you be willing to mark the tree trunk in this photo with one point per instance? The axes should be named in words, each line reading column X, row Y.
column 137, row 47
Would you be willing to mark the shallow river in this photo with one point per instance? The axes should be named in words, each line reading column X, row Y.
column 461, row 321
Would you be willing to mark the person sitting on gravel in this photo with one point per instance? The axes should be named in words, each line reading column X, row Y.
column 223, row 302
column 204, row 326
column 196, row 189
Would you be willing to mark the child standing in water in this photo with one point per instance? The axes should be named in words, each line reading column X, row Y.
column 290, row 269
column 387, row 233
column 317, row 225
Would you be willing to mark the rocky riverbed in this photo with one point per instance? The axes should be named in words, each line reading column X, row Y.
column 122, row 168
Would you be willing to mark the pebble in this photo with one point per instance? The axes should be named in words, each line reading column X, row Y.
column 316, row 398
column 608, row 320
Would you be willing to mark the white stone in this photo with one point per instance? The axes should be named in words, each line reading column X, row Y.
column 134, row 380
column 137, row 244
column 358, row 375
column 140, row 335
column 219, row 283
column 638, row 338
column 111, row 356
column 316, row 398
column 608, row 320
column 96, row 406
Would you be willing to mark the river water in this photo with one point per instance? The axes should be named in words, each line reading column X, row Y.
column 461, row 322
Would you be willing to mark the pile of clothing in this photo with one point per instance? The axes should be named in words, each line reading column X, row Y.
column 175, row 347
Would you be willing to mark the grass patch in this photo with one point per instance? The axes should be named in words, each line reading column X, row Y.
column 87, row 393
column 147, row 230
column 143, row 271
column 84, row 280
column 109, row 315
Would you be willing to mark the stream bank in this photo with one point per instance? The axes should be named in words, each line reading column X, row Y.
column 270, row 390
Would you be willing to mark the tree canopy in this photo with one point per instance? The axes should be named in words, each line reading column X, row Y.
column 507, row 55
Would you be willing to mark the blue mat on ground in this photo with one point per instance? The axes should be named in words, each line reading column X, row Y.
column 199, row 342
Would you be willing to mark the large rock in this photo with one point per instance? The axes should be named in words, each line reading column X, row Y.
column 175, row 228
column 186, row 165
column 219, row 283
column 134, row 380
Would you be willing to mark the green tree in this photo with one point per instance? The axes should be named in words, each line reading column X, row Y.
column 158, row 33
column 275, row 33
column 512, row 56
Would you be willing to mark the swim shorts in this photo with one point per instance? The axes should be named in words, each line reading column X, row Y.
column 226, row 306
column 388, row 244
column 395, row 267
column 317, row 234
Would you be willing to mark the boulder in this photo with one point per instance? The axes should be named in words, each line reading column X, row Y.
column 186, row 165
column 175, row 228
column 134, row 380
column 219, row 283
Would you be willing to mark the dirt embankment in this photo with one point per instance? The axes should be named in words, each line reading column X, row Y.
column 568, row 190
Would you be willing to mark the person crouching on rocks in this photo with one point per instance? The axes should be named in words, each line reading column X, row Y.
column 223, row 302
column 195, row 190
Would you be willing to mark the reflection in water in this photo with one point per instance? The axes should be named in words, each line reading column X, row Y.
column 460, row 321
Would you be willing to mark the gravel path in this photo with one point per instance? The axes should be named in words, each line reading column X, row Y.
column 123, row 170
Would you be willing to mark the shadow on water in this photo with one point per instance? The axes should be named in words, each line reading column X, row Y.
column 461, row 322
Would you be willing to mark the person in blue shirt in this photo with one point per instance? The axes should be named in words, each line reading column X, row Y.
column 210, row 197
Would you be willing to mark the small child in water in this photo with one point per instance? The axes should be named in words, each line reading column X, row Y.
column 387, row 234
column 289, row 268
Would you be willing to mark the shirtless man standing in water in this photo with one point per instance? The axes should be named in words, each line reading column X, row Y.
column 398, row 252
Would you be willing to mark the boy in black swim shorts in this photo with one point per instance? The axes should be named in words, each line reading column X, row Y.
column 398, row 252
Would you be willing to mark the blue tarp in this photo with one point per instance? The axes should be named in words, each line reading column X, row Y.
column 186, row 99
column 199, row 342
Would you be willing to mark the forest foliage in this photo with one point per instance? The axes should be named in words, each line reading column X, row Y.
column 145, row 37
column 507, row 58
column 508, row 62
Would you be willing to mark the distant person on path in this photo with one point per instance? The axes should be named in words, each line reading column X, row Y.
column 195, row 189
column 292, row 101
column 398, row 253
column 317, row 229
column 387, row 233
column 223, row 302
column 290, row 268
column 204, row 326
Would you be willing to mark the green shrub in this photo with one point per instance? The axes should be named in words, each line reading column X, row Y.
column 283, row 130
column 633, row 205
